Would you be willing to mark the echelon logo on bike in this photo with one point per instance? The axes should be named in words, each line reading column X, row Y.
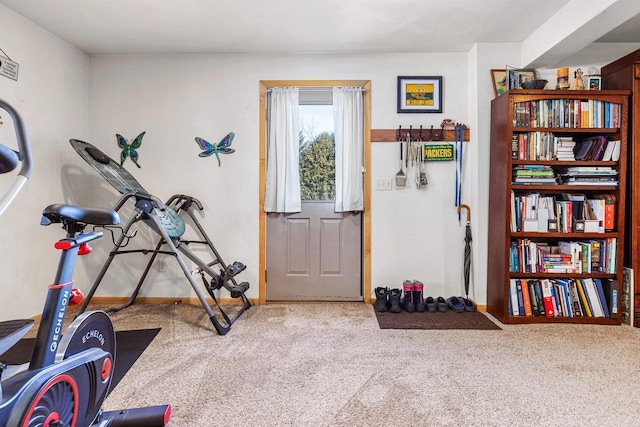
column 93, row 334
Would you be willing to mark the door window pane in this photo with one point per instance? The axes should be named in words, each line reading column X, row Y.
column 317, row 153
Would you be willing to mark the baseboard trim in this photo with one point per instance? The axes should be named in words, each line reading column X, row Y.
column 117, row 301
column 168, row 300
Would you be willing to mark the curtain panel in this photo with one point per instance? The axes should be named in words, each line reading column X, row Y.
column 282, row 192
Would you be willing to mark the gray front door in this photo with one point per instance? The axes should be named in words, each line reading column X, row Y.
column 314, row 255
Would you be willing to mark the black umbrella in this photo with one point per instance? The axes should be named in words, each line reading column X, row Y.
column 467, row 248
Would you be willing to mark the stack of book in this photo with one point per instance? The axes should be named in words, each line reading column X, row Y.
column 590, row 175
column 534, row 174
column 564, row 148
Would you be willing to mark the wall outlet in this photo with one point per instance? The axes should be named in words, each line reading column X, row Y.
column 383, row 184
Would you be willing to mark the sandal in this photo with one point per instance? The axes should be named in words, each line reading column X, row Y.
column 455, row 304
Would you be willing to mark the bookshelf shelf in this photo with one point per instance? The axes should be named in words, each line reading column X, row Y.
column 565, row 130
column 510, row 245
column 560, row 275
column 534, row 319
column 560, row 236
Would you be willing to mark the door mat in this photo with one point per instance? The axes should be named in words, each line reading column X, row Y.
column 447, row 320
column 129, row 346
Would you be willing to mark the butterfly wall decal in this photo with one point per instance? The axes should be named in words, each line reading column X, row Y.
column 222, row 147
column 129, row 149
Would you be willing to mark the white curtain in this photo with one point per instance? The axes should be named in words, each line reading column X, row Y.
column 283, row 152
column 348, row 120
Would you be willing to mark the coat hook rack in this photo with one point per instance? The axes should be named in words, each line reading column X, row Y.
column 445, row 132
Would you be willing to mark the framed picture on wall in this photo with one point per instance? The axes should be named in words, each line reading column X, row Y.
column 419, row 94
column 499, row 79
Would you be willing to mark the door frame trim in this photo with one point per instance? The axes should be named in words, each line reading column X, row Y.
column 366, row 223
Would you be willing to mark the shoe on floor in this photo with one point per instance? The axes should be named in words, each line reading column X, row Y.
column 455, row 304
column 418, row 298
column 442, row 304
column 382, row 297
column 394, row 300
column 431, row 305
column 407, row 303
column 468, row 304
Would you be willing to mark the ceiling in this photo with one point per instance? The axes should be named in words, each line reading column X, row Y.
column 297, row 26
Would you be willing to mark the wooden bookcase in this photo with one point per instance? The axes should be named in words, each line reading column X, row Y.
column 624, row 74
column 503, row 128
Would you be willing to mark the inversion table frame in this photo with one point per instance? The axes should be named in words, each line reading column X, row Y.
column 165, row 219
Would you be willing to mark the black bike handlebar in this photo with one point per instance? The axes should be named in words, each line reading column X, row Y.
column 10, row 158
column 24, row 153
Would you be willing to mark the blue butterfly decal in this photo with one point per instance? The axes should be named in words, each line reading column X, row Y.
column 222, row 147
column 129, row 149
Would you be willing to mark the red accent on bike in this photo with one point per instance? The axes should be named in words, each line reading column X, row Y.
column 62, row 244
column 84, row 249
column 52, row 418
column 76, row 297
column 167, row 414
column 60, row 286
column 106, row 369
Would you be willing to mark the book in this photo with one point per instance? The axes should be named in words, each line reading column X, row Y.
column 519, row 296
column 608, row 151
column 526, row 298
column 535, row 308
column 592, row 296
column 609, row 210
column 627, row 296
column 539, row 298
column 612, row 294
column 584, row 302
column 547, row 295
column 615, row 154
column 602, row 297
column 575, row 299
column 514, row 297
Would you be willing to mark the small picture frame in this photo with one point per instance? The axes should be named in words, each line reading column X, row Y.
column 419, row 94
column 499, row 79
column 594, row 83
column 516, row 76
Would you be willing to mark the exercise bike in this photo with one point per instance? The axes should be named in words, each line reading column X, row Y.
column 68, row 375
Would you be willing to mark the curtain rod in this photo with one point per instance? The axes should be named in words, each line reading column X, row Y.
column 317, row 88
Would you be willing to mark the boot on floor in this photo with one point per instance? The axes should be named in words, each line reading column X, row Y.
column 418, row 296
column 382, row 299
column 407, row 303
column 394, row 300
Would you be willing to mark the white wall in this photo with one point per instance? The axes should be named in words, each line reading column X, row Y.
column 51, row 95
column 415, row 234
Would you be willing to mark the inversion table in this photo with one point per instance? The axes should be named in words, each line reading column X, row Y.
column 166, row 219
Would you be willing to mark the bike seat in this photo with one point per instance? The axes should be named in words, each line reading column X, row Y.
column 60, row 213
column 11, row 331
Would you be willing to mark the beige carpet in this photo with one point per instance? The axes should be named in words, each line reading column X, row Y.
column 330, row 365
